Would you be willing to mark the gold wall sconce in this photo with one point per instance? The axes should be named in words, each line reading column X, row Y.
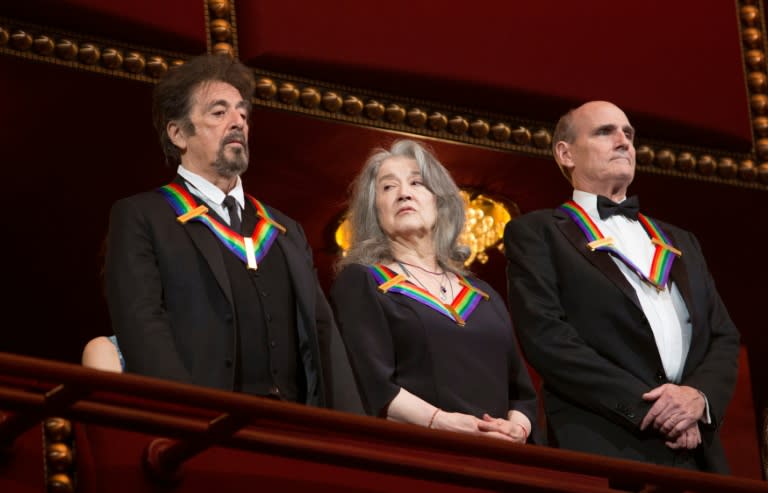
column 484, row 226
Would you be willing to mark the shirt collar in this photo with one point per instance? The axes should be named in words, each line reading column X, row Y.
column 588, row 202
column 211, row 191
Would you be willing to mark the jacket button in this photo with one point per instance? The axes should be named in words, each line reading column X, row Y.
column 272, row 344
column 661, row 377
column 228, row 363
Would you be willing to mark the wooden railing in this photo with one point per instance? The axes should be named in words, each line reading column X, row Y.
column 192, row 419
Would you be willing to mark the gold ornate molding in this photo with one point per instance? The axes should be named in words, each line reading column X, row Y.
column 221, row 27
column 503, row 132
column 82, row 52
column 380, row 110
column 752, row 33
column 59, row 455
column 411, row 116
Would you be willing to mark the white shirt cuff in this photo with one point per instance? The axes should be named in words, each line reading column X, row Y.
column 706, row 418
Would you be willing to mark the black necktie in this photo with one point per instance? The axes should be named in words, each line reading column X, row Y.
column 607, row 207
column 234, row 220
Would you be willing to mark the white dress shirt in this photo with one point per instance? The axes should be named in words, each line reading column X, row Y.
column 665, row 310
column 211, row 194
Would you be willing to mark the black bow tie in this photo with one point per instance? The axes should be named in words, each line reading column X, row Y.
column 607, row 207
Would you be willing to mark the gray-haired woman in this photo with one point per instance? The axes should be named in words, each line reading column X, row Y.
column 429, row 345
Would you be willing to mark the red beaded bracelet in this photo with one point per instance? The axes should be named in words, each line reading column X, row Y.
column 432, row 419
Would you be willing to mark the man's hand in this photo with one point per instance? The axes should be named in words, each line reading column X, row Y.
column 676, row 409
column 689, row 439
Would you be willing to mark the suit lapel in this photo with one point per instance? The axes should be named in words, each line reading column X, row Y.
column 303, row 284
column 304, row 288
column 249, row 216
column 679, row 275
column 208, row 246
column 601, row 260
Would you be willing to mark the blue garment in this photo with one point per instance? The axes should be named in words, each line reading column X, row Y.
column 113, row 340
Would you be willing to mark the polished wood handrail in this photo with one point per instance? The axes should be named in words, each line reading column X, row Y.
column 184, row 412
column 57, row 398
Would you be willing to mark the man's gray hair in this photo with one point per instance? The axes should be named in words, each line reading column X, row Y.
column 563, row 132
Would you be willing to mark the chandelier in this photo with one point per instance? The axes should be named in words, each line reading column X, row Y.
column 484, row 225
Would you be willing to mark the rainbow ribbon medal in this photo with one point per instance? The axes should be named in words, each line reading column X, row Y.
column 459, row 310
column 663, row 257
column 250, row 249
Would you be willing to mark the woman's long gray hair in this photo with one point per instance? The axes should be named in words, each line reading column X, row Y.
column 370, row 245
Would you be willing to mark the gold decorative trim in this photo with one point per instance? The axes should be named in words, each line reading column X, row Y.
column 489, row 130
column 752, row 33
column 221, row 27
column 89, row 53
column 59, row 455
column 408, row 115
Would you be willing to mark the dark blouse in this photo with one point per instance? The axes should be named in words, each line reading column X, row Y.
column 394, row 341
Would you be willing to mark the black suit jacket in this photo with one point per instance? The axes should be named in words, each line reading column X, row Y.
column 171, row 303
column 582, row 328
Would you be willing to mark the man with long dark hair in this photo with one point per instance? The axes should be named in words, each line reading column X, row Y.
column 206, row 284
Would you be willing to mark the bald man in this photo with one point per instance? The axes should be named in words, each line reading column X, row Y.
column 638, row 358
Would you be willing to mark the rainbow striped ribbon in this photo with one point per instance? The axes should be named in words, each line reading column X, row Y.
column 264, row 233
column 459, row 310
column 663, row 257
